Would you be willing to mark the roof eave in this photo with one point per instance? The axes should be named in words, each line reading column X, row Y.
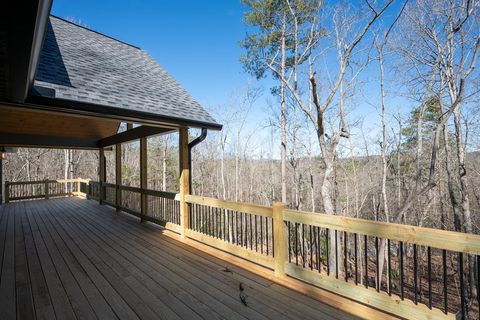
column 27, row 21
column 77, row 107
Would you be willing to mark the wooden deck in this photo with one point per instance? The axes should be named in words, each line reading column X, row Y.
column 70, row 258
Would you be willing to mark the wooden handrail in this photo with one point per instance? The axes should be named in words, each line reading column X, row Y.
column 17, row 183
column 439, row 239
column 231, row 205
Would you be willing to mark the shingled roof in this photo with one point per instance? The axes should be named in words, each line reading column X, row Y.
column 82, row 66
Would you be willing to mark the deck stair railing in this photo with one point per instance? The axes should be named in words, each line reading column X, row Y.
column 412, row 272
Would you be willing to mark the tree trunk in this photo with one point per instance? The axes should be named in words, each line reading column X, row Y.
column 283, row 107
column 328, row 206
column 164, row 164
column 383, row 245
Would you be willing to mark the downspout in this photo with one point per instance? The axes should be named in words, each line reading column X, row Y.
column 192, row 144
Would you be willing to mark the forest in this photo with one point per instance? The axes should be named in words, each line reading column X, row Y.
column 369, row 110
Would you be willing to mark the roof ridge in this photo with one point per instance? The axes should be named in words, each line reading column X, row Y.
column 94, row 31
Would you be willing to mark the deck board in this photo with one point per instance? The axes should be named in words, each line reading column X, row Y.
column 70, row 258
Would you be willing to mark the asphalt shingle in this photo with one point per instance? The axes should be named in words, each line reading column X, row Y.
column 85, row 66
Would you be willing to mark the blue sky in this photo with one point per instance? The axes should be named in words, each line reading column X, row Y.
column 196, row 41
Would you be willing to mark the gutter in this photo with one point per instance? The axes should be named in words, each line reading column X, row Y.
column 191, row 145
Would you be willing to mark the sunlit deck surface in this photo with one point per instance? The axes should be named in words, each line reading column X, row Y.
column 70, row 258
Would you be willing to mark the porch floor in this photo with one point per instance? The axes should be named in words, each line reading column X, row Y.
column 70, row 258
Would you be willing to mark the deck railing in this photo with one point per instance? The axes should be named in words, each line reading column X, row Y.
column 412, row 272
column 427, row 274
column 29, row 190
column 162, row 208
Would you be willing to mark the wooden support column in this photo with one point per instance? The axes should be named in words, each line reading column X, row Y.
column 47, row 189
column 101, row 173
column 280, row 240
column 7, row 192
column 118, row 176
column 184, row 178
column 1, row 178
column 143, row 177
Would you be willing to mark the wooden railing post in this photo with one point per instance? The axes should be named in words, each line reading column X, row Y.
column 46, row 186
column 118, row 176
column 87, row 189
column 184, row 178
column 279, row 240
column 143, row 177
column 7, row 192
column 101, row 172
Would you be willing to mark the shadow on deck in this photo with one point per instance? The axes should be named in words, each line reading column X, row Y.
column 70, row 258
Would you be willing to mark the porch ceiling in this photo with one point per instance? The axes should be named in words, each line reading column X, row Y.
column 14, row 120
column 22, row 127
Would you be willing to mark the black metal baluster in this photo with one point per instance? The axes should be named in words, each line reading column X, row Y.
column 219, row 222
column 389, row 268
column 327, row 246
column 415, row 273
column 256, row 234
column 289, row 224
column 200, row 218
column 236, row 228
column 429, row 261
column 229, row 226
column 345, row 253
column 241, row 229
column 336, row 254
column 311, row 248
column 261, row 236
column 225, row 224
column 365, row 240
column 377, row 265
column 445, row 288
column 245, row 220
column 319, row 265
column 194, row 218
column 207, row 220
column 462, row 286
column 296, row 243
column 355, row 249
column 214, row 222
column 251, row 233
column 402, row 291
column 266, row 233
column 303, row 246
